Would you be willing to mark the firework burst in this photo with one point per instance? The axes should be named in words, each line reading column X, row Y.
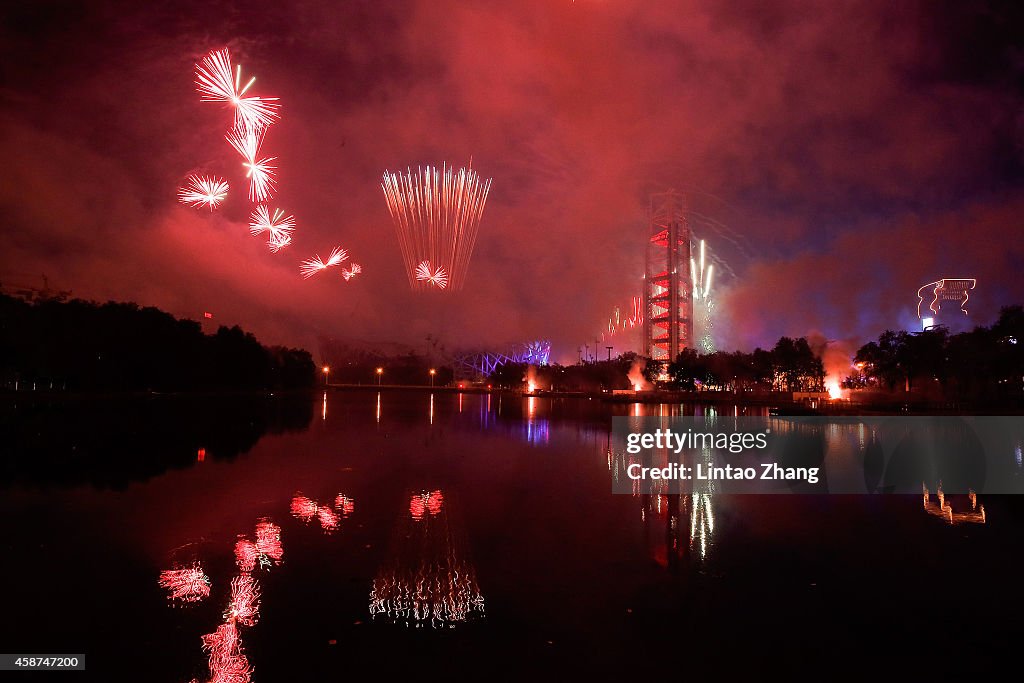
column 438, row 278
column 349, row 273
column 437, row 217
column 217, row 82
column 247, row 141
column 311, row 267
column 199, row 191
column 278, row 242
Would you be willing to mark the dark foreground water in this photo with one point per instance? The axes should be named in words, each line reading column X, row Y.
column 404, row 536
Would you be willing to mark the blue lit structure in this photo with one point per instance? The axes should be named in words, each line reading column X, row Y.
column 482, row 364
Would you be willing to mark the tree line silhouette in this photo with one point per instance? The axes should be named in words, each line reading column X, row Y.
column 113, row 347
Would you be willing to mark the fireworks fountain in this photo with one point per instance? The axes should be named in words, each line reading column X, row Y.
column 701, row 279
column 437, row 217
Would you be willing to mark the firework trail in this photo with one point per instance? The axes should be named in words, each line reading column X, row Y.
column 311, row 267
column 199, row 191
column 187, row 585
column 245, row 600
column 437, row 217
column 349, row 273
column 216, row 83
column 261, row 174
column 438, row 278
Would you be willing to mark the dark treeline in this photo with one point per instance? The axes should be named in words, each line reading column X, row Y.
column 983, row 365
column 591, row 376
column 85, row 346
column 790, row 366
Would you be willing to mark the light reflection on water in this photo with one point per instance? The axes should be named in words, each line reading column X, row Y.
column 426, row 578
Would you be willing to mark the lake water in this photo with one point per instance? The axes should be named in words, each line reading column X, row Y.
column 463, row 537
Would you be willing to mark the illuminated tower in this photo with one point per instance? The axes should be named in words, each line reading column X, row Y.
column 668, row 323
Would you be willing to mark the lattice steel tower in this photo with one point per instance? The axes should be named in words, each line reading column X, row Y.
column 668, row 289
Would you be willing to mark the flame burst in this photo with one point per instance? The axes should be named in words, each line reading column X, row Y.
column 199, row 191
column 187, row 585
column 437, row 217
column 437, row 278
column 216, row 82
column 311, row 267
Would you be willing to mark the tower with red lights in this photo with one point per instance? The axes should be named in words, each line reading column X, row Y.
column 668, row 290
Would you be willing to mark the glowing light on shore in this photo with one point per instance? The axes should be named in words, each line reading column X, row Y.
column 199, row 191
column 835, row 392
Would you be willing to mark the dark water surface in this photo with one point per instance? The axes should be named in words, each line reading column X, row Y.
column 467, row 537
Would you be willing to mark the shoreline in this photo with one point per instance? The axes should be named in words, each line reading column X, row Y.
column 782, row 402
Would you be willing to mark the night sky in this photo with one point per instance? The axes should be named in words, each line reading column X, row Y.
column 840, row 154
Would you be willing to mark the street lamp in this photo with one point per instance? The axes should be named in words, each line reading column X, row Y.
column 432, row 373
column 380, row 371
column 327, row 373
